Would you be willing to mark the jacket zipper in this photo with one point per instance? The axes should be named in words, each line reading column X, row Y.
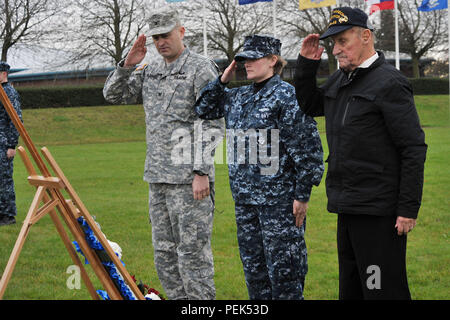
column 345, row 113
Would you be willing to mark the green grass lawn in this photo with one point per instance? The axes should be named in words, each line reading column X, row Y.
column 101, row 150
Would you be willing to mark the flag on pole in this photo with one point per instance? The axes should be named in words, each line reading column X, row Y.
column 376, row 5
column 430, row 5
column 308, row 4
column 242, row 2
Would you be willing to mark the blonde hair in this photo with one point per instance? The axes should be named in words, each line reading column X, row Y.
column 279, row 65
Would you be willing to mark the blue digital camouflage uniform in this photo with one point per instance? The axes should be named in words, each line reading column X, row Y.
column 272, row 248
column 9, row 137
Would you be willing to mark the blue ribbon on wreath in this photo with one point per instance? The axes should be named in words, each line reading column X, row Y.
column 114, row 274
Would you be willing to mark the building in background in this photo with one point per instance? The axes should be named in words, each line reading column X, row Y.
column 41, row 67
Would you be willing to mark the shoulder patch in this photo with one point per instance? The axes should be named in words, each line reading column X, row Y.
column 141, row 67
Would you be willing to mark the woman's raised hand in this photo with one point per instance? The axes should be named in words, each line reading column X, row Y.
column 229, row 72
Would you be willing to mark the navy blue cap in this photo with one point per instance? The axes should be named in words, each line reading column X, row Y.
column 258, row 46
column 4, row 66
column 345, row 18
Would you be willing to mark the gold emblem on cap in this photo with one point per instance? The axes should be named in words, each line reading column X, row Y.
column 337, row 16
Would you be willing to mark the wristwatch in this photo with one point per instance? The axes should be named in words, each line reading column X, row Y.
column 200, row 173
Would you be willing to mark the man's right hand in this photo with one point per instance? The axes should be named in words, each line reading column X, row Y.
column 310, row 47
column 137, row 52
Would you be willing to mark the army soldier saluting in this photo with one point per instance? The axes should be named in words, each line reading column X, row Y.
column 9, row 137
column 181, row 193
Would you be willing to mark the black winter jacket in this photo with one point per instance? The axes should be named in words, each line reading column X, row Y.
column 376, row 145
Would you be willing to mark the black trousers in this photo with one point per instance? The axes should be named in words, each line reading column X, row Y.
column 372, row 258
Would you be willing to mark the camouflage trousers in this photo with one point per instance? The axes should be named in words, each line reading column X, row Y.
column 181, row 236
column 7, row 194
column 273, row 252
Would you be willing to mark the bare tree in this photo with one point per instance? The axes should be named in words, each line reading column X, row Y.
column 108, row 28
column 228, row 23
column 299, row 23
column 420, row 31
column 24, row 21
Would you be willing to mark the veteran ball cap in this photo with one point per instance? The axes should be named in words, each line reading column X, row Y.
column 163, row 21
column 258, row 46
column 345, row 18
column 4, row 66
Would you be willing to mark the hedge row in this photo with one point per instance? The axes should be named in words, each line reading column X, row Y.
column 56, row 97
column 429, row 86
column 421, row 86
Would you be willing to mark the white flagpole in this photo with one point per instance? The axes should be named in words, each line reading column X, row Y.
column 397, row 49
column 274, row 8
column 337, row 61
column 205, row 35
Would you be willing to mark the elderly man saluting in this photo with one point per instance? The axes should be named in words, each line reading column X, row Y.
column 377, row 153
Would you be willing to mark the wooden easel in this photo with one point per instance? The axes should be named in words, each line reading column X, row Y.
column 49, row 192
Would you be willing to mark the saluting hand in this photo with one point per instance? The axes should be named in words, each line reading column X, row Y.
column 310, row 47
column 137, row 52
column 229, row 72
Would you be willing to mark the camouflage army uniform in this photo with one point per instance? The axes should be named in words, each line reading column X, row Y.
column 272, row 248
column 181, row 226
column 9, row 137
